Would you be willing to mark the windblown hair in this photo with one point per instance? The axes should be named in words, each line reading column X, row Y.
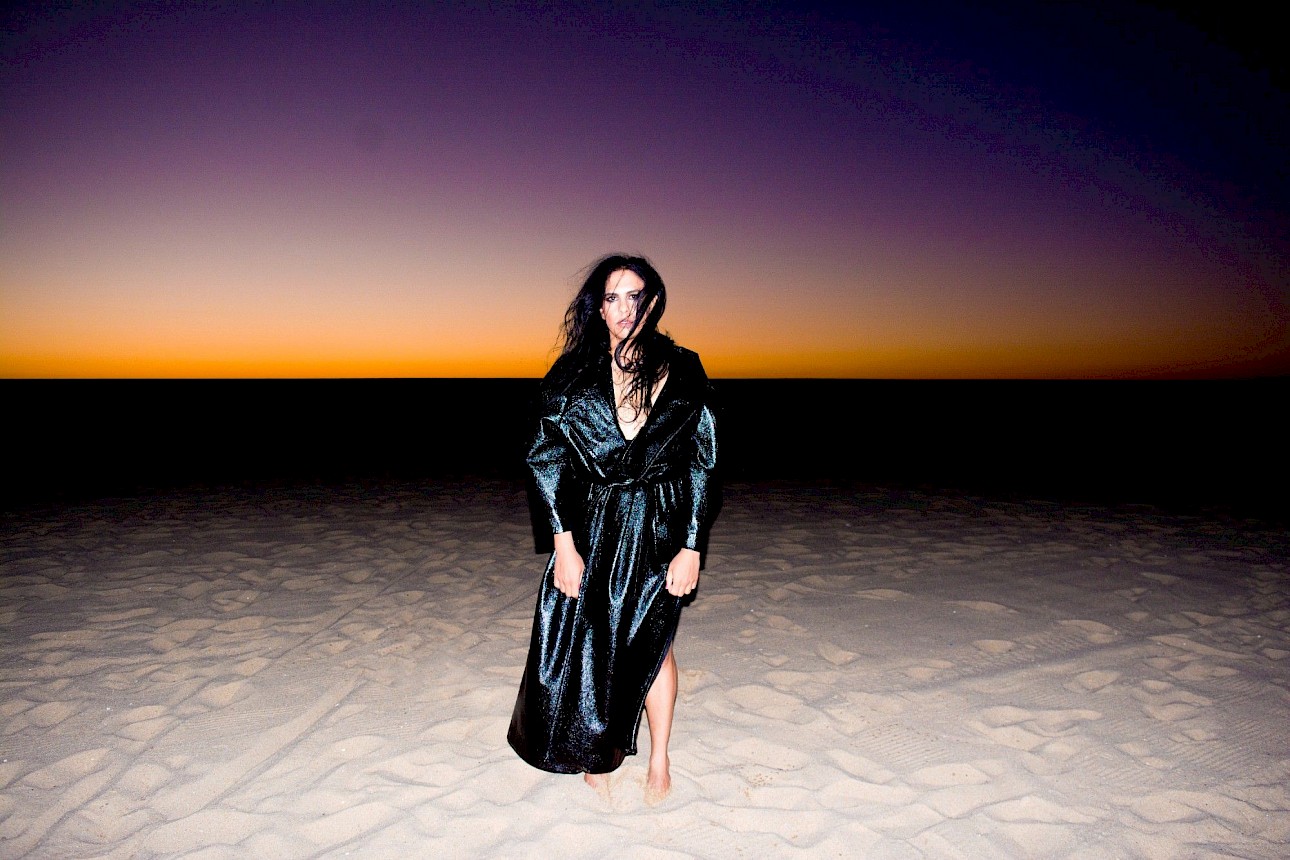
column 643, row 353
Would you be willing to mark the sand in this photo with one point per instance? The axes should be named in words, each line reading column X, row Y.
column 329, row 672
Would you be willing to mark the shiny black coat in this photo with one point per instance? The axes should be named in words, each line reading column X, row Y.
column 631, row 504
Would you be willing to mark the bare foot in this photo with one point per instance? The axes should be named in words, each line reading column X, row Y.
column 658, row 783
column 598, row 781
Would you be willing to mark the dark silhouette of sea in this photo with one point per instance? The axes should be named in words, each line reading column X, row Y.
column 1177, row 444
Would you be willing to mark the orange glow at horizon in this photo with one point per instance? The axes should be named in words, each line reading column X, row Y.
column 761, row 347
column 916, row 324
column 175, row 207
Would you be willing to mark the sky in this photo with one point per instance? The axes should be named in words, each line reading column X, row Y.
column 412, row 190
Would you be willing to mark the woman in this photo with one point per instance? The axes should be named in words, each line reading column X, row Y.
column 623, row 460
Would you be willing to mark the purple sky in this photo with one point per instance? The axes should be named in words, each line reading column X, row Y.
column 290, row 190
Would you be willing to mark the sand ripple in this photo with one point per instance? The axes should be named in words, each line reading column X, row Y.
column 310, row 672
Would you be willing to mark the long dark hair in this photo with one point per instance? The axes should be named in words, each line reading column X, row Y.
column 586, row 337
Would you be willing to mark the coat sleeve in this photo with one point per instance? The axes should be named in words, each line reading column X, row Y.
column 703, row 481
column 704, row 489
column 548, row 460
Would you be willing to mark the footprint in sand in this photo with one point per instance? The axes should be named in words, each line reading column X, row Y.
column 67, row 770
column 826, row 582
column 1202, row 619
column 1144, row 755
column 194, row 590
column 144, row 724
column 182, row 631
column 1165, row 702
column 930, row 670
column 765, row 702
column 1093, row 681
column 1130, row 594
column 764, row 754
column 127, row 615
column 945, row 775
column 451, row 731
column 779, row 595
column 1036, row 809
column 245, row 624
column 413, row 768
column 230, row 601
column 1023, row 729
column 983, row 606
column 957, row 790
column 690, row 680
column 882, row 594
column 1097, row 632
column 1185, row 643
column 1194, row 736
column 142, row 781
column 850, row 793
column 51, row 713
column 251, row 666
column 1160, row 809
column 860, row 767
column 779, row 622
column 222, row 695
column 1197, row 669
column 835, row 655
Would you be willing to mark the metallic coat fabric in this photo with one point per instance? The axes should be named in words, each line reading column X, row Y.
column 631, row 504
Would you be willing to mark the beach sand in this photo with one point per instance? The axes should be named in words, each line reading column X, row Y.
column 322, row 671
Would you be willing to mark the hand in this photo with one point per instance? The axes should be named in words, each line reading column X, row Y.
column 683, row 573
column 568, row 566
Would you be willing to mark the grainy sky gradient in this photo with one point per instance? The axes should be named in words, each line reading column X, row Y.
column 255, row 190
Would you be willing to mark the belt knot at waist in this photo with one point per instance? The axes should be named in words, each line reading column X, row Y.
column 646, row 480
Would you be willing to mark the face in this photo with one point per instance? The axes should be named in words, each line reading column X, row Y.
column 620, row 305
